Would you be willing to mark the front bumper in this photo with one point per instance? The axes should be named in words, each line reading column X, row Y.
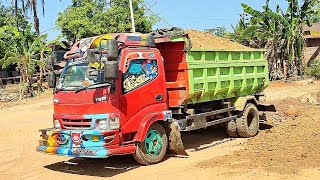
column 83, row 143
column 96, row 152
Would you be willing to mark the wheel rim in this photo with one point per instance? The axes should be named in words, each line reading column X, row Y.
column 153, row 143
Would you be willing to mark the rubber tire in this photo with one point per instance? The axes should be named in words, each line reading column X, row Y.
column 142, row 157
column 232, row 129
column 51, row 80
column 245, row 129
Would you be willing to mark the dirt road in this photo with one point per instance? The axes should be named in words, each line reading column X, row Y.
column 286, row 147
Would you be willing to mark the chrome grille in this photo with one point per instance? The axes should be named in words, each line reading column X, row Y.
column 76, row 123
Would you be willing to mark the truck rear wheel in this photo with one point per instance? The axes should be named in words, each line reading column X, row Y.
column 232, row 129
column 154, row 147
column 248, row 123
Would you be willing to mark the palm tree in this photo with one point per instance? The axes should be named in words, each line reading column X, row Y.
column 32, row 6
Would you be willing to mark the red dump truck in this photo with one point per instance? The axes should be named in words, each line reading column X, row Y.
column 131, row 93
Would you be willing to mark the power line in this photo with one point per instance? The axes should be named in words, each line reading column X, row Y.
column 49, row 29
column 154, row 13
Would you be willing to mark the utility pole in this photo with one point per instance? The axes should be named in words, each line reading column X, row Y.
column 132, row 18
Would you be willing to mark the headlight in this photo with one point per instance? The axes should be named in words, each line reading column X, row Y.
column 56, row 124
column 114, row 121
column 103, row 124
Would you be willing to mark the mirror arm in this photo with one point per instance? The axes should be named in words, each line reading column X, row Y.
column 113, row 87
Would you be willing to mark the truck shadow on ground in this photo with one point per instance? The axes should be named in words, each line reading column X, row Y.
column 204, row 138
column 112, row 166
column 96, row 167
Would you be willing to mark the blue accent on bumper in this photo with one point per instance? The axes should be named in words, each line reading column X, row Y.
column 74, row 143
column 92, row 152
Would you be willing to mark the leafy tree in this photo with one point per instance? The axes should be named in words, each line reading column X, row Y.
column 8, row 16
column 86, row 18
column 218, row 31
column 280, row 33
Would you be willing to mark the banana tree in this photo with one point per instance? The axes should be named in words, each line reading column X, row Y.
column 24, row 52
column 280, row 34
column 265, row 30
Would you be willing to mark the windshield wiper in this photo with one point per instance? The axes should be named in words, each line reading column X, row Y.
column 59, row 89
column 64, row 89
column 90, row 85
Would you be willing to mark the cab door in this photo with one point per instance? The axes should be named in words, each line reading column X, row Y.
column 143, row 86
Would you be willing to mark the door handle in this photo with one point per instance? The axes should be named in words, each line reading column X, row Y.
column 159, row 97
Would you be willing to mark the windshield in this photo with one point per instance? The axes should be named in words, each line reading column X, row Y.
column 79, row 73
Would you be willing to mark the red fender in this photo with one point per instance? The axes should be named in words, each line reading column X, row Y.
column 146, row 123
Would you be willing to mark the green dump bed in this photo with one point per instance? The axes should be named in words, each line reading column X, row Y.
column 201, row 75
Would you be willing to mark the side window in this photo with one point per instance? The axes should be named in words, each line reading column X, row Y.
column 139, row 72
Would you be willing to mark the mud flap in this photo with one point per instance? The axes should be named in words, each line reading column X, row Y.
column 176, row 147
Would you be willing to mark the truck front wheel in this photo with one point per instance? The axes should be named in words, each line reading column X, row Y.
column 154, row 147
column 248, row 123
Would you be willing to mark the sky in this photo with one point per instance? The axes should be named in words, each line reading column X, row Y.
column 187, row 14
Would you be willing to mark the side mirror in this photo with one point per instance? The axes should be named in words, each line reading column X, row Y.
column 112, row 49
column 111, row 70
column 49, row 63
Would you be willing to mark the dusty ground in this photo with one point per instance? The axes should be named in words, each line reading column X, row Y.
column 287, row 147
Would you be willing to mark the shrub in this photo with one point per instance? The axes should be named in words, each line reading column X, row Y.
column 314, row 69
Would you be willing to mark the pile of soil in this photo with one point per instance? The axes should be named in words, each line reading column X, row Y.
column 286, row 148
column 204, row 40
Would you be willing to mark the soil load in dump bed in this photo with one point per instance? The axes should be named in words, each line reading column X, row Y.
column 204, row 40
